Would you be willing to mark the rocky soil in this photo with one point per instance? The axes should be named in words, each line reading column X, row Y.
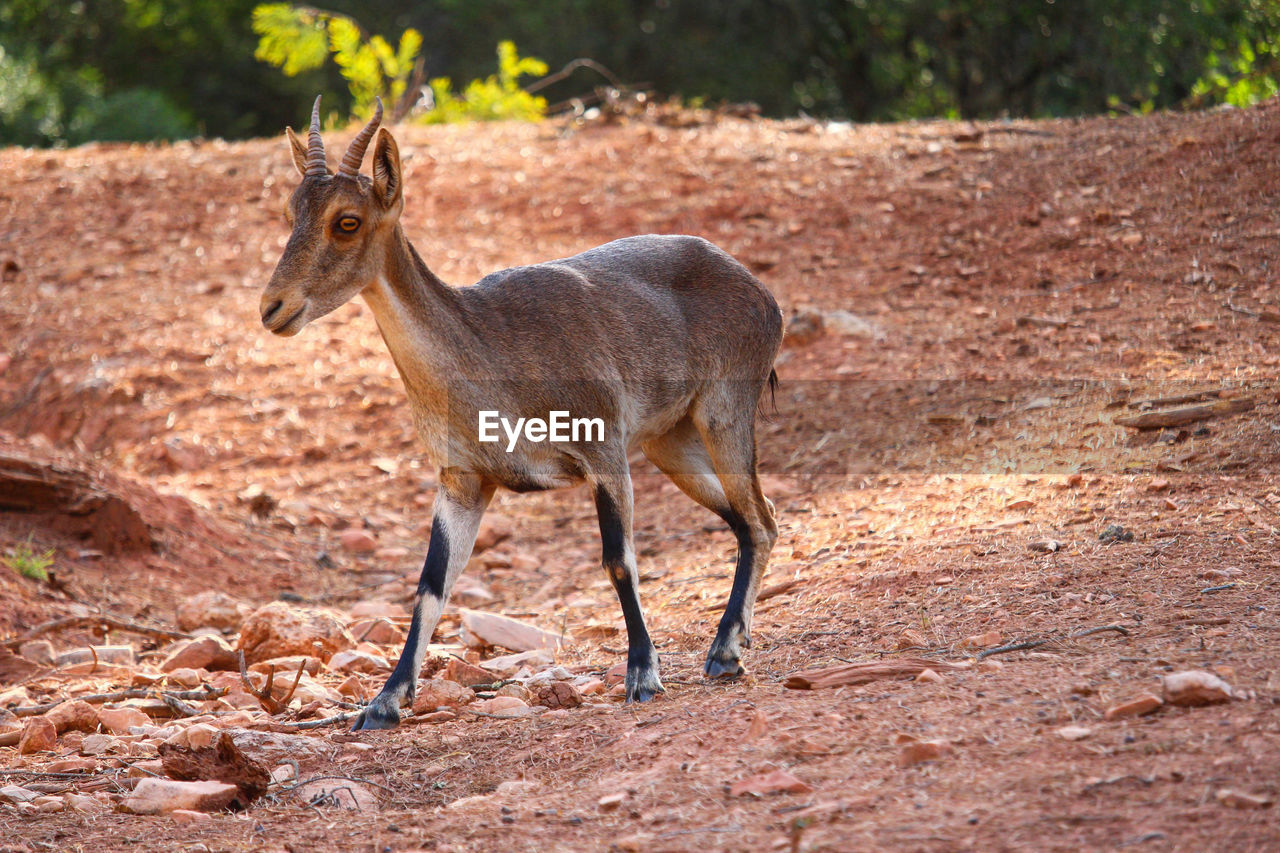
column 1025, row 453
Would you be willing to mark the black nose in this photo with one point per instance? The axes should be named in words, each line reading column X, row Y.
column 271, row 311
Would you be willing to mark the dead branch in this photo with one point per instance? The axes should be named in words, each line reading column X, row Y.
column 1176, row 399
column 269, row 703
column 864, row 672
column 1012, row 647
column 1088, row 632
column 121, row 695
column 316, row 724
column 180, row 708
column 1186, row 415
column 109, row 622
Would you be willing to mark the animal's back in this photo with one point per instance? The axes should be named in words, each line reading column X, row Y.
column 670, row 306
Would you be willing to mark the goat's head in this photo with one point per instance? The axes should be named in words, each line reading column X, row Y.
column 343, row 225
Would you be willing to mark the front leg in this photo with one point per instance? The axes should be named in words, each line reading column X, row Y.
column 613, row 505
column 460, row 504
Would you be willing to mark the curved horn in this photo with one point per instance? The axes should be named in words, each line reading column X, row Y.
column 355, row 153
column 315, row 147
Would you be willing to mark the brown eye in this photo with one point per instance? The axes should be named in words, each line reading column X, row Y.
column 348, row 224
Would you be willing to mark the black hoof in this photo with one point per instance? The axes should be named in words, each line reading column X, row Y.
column 723, row 669
column 376, row 717
column 643, row 693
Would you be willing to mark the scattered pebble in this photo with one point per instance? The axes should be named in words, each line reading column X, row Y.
column 1144, row 704
column 1195, row 687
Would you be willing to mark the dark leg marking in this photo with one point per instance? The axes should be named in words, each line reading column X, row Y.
column 642, row 659
column 384, row 711
column 731, row 636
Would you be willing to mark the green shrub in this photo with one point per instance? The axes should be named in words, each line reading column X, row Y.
column 26, row 562
column 297, row 39
column 134, row 115
column 300, row 39
column 498, row 96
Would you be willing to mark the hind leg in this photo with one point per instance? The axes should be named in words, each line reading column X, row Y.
column 714, row 463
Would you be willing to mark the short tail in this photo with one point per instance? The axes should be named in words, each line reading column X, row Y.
column 773, row 392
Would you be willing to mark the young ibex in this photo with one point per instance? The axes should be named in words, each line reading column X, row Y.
column 667, row 339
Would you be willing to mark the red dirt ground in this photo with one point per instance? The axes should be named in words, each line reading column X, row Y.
column 1025, row 282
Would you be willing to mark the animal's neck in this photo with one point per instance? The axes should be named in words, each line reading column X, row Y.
column 423, row 323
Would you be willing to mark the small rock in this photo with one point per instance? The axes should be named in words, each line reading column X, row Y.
column 773, row 782
column 922, row 751
column 188, row 816
column 1074, row 732
column 494, row 528
column 38, row 651
column 982, row 641
column 352, row 688
column 16, row 794
column 591, row 687
column 438, row 717
column 73, row 765
column 377, row 630
column 610, row 802
column 357, row 540
column 1195, row 687
column 615, row 674
column 1241, row 800
column 850, row 325
column 38, row 735
column 990, row 665
column 480, row 628
column 505, row 666
column 351, row 660
column 100, row 745
column 519, row 691
column 184, row 676
column 211, row 609
column 805, row 326
column 148, row 767
column 928, row 676
column 502, row 706
column 161, row 796
column 523, row 562
column 73, row 715
column 220, row 761
column 466, row 674
column 194, row 736
column 1020, row 504
column 278, row 629
column 436, row 693
column 1144, row 704
column 118, row 721
column 1159, row 484
column 49, row 804
column 472, row 593
column 208, row 652
column 337, row 793
column 910, row 639
column 558, row 694
column 83, row 804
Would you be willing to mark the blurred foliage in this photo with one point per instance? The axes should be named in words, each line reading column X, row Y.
column 299, row 39
column 169, row 67
column 495, row 97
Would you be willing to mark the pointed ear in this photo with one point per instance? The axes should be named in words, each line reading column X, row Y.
column 298, row 150
column 387, row 183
